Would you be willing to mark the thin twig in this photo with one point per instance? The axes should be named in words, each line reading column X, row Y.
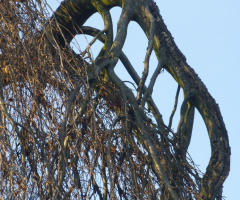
column 174, row 108
column 147, row 57
column 149, row 90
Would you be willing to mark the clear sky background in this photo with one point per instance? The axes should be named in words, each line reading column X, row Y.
column 208, row 34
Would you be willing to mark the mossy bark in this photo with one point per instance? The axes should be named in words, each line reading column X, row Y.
column 70, row 17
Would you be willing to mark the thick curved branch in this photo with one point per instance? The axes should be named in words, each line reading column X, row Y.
column 108, row 27
column 185, row 126
column 175, row 63
column 132, row 72
column 219, row 164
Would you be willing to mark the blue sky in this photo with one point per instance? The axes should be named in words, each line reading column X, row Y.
column 208, row 34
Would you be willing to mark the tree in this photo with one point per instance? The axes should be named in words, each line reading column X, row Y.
column 72, row 129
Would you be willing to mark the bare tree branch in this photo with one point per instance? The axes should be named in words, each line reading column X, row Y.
column 70, row 127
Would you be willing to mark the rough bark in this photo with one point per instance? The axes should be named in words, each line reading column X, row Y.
column 145, row 146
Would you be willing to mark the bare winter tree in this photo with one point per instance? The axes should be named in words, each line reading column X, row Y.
column 70, row 128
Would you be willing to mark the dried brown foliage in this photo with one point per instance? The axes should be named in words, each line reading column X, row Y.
column 71, row 129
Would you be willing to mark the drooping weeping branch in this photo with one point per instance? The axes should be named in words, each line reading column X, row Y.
column 195, row 92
